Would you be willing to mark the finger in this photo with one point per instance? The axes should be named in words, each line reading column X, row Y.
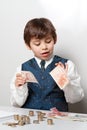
column 60, row 64
column 19, row 82
column 56, row 64
column 18, row 75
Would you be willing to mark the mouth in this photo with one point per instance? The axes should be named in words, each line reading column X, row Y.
column 45, row 54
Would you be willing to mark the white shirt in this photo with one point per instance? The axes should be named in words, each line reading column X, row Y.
column 47, row 62
column 73, row 91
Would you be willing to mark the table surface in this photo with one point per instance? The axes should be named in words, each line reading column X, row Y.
column 58, row 123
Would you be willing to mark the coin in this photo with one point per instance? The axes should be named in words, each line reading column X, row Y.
column 49, row 121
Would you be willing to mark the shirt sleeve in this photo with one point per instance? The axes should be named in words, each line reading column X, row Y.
column 18, row 94
column 73, row 90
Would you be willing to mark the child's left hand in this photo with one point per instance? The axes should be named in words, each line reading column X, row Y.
column 63, row 67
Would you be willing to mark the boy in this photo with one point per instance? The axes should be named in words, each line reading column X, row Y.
column 40, row 37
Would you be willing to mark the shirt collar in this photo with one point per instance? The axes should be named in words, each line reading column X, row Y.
column 47, row 61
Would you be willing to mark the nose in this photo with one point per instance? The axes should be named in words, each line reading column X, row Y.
column 44, row 46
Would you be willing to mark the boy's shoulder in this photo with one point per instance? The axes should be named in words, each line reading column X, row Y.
column 60, row 59
column 27, row 65
column 30, row 61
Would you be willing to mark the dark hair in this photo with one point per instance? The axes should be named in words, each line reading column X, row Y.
column 39, row 28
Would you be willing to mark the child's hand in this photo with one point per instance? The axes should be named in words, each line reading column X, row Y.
column 63, row 67
column 20, row 80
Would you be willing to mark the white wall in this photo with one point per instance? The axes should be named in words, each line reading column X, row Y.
column 70, row 19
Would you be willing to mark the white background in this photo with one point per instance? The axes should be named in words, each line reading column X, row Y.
column 70, row 20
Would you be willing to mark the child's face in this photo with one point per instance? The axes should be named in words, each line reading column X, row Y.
column 42, row 48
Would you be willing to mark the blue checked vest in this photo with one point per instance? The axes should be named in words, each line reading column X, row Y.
column 45, row 94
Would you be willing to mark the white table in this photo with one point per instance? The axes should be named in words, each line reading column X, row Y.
column 59, row 124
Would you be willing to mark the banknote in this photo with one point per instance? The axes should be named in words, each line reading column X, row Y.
column 60, row 76
column 29, row 76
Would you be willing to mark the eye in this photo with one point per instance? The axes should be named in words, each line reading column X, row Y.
column 48, row 40
column 36, row 43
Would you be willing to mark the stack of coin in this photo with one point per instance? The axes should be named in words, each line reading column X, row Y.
column 40, row 117
column 39, row 112
column 16, row 117
column 31, row 113
column 49, row 121
column 12, row 124
column 27, row 120
column 36, row 121
column 21, row 120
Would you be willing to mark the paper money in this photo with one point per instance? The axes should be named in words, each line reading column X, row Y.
column 60, row 76
column 29, row 76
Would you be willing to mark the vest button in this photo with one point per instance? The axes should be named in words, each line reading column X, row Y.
column 43, row 77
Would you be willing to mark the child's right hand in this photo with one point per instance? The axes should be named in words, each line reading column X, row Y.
column 20, row 80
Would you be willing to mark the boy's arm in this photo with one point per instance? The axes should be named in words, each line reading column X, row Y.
column 18, row 94
column 73, row 91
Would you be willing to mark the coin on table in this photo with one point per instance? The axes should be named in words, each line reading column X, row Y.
column 31, row 113
column 16, row 117
column 27, row 120
column 36, row 121
column 49, row 121
column 21, row 122
column 40, row 117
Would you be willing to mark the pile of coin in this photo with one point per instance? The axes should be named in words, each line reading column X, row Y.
column 26, row 119
column 19, row 120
